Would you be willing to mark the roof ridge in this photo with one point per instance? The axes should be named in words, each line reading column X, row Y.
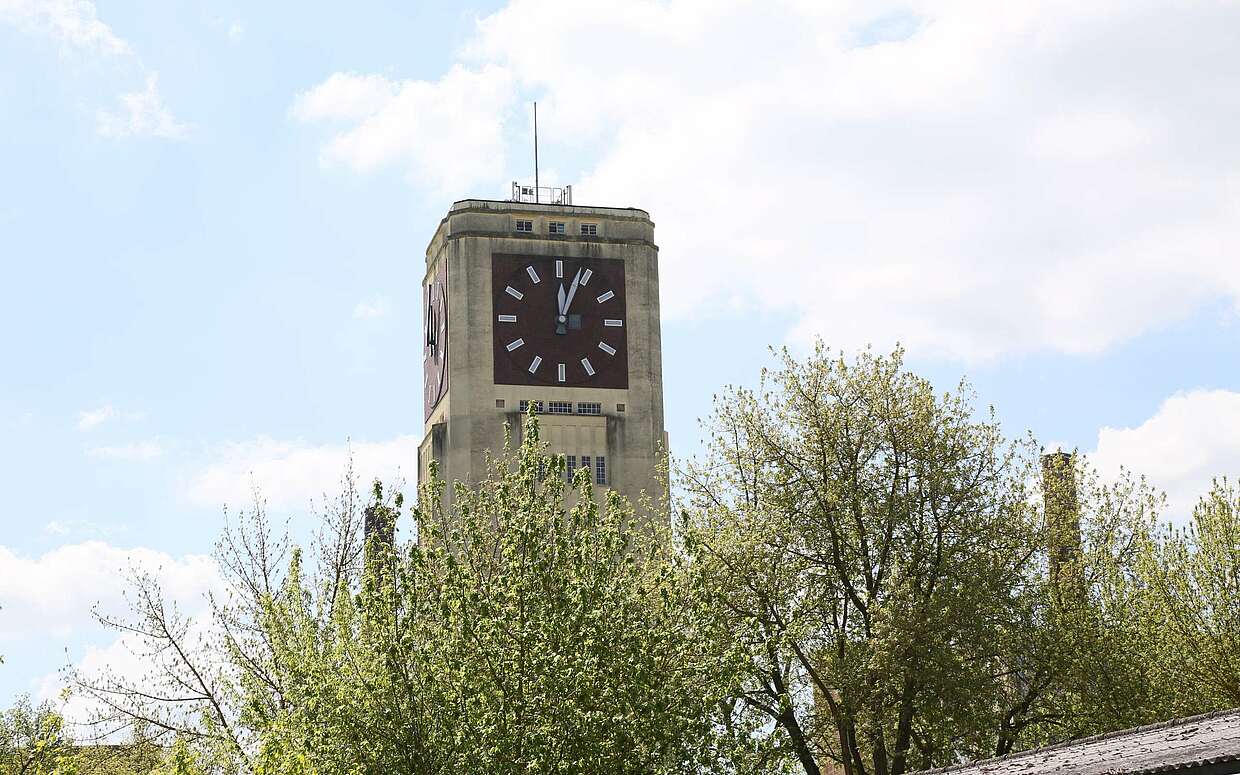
column 1169, row 724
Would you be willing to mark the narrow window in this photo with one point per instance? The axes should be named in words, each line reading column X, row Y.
column 527, row 226
column 570, row 465
column 585, row 462
column 556, row 227
column 560, row 407
column 589, row 229
column 585, row 407
column 600, row 470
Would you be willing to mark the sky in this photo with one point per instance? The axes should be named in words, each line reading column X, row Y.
column 214, row 216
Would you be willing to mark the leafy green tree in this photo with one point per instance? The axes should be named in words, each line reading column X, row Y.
column 1088, row 652
column 882, row 552
column 528, row 628
column 180, row 760
column 1194, row 612
column 864, row 537
column 866, row 573
column 525, row 631
column 200, row 694
column 33, row 740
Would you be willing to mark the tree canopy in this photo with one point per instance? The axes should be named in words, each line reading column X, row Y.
column 905, row 599
column 528, row 628
column 863, row 573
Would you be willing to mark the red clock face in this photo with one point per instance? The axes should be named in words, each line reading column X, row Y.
column 559, row 321
column 435, row 336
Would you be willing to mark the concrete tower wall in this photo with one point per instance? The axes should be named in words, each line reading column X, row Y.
column 469, row 420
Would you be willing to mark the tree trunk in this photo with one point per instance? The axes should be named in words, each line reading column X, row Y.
column 788, row 720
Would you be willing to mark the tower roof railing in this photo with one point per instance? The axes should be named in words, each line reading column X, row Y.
column 547, row 195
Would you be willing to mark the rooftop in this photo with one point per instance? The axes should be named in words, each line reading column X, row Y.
column 509, row 206
column 1198, row 745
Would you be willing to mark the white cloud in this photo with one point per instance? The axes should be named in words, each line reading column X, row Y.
column 74, row 24
column 81, row 527
column 51, row 595
column 137, row 451
column 1192, row 438
column 345, row 97
column 48, row 600
column 236, row 31
column 291, row 473
column 122, row 657
column 89, row 419
column 92, row 418
column 980, row 179
column 372, row 308
column 144, row 114
column 1090, row 136
column 126, row 657
column 445, row 133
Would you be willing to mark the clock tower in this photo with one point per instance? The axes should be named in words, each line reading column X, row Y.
column 550, row 304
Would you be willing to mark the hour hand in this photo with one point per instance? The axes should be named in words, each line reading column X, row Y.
column 560, row 317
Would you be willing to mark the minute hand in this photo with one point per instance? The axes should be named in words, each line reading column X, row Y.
column 572, row 291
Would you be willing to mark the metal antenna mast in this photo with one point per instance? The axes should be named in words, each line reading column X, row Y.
column 535, row 152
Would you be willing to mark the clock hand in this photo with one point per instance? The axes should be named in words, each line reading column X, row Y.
column 572, row 291
column 560, row 299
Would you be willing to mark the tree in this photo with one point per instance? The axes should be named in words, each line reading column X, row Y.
column 520, row 634
column 528, row 628
column 1086, row 663
column 910, row 590
column 867, row 572
column 1194, row 576
column 204, row 673
column 865, row 537
column 32, row 739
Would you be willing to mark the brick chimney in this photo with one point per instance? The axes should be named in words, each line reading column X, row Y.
column 1063, row 522
column 379, row 532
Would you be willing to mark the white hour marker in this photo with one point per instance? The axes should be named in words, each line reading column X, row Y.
column 585, row 364
column 533, row 275
column 514, row 344
column 507, row 318
column 604, row 297
column 560, row 369
column 559, row 270
column 514, row 293
column 534, row 364
column 613, row 323
column 585, row 276
column 606, row 348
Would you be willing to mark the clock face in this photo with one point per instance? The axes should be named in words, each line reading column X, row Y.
column 559, row 321
column 435, row 334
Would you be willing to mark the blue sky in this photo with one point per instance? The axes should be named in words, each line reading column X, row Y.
column 213, row 218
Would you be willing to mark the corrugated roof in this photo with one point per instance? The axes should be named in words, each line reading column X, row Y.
column 1180, row 744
